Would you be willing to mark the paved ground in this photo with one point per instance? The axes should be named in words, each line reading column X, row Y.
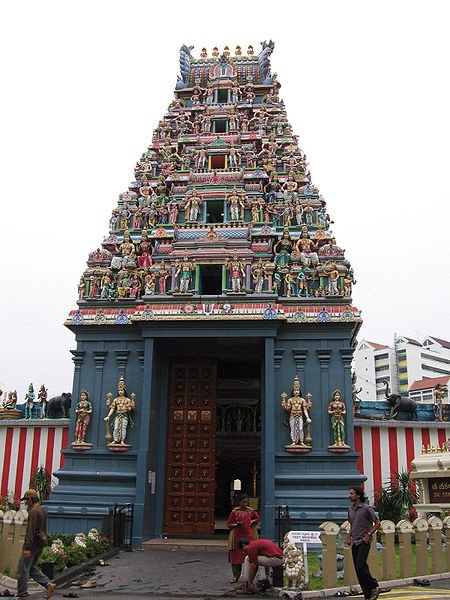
column 167, row 575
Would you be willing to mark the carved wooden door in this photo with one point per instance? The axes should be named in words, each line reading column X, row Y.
column 190, row 480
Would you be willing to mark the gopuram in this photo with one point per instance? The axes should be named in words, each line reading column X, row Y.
column 214, row 328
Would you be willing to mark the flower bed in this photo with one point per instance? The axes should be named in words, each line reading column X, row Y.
column 66, row 551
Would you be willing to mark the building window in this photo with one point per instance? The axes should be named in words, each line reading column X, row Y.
column 210, row 280
column 220, row 126
column 217, row 161
column 214, row 211
column 222, row 96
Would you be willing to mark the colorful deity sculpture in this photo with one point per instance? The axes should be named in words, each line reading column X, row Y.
column 184, row 270
column 237, row 273
column 42, row 399
column 298, row 408
column 83, row 411
column 29, row 402
column 337, row 411
column 121, row 407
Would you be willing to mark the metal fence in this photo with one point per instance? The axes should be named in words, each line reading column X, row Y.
column 118, row 526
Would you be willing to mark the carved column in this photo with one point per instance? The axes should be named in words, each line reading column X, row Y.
column 435, row 536
column 421, row 534
column 320, row 414
column 347, row 356
column 277, row 358
column 300, row 359
column 77, row 358
column 387, row 531
column 446, row 525
column 122, row 359
column 405, row 530
column 98, row 404
column 349, row 568
column 328, row 534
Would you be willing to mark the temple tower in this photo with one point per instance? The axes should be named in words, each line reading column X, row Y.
column 214, row 324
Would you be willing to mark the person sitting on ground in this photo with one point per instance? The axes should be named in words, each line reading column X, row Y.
column 260, row 553
column 35, row 540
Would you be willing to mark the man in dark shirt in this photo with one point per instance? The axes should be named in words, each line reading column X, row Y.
column 260, row 552
column 32, row 548
column 363, row 524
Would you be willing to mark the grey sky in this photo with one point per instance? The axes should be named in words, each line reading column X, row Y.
column 366, row 89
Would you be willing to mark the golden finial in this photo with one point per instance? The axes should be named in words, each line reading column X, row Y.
column 423, row 450
column 238, row 51
column 250, row 51
column 226, row 51
column 204, row 53
column 215, row 52
column 428, row 449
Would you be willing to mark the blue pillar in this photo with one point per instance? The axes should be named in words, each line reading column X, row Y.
column 77, row 357
column 324, row 432
column 347, row 355
column 268, row 443
column 144, row 405
column 98, row 403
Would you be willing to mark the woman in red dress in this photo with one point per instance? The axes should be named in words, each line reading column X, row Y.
column 242, row 523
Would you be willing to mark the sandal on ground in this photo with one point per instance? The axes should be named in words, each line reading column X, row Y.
column 422, row 582
column 88, row 585
column 70, row 595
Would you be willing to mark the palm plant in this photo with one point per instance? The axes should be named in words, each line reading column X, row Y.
column 41, row 481
column 395, row 499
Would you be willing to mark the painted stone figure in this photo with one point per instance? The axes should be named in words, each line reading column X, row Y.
column 184, row 271
column 42, row 399
column 337, row 411
column 83, row 411
column 237, row 273
column 236, row 206
column 121, row 407
column 283, row 248
column 258, row 276
column 145, row 251
column 29, row 402
column 297, row 407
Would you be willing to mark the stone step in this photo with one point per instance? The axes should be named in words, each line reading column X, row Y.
column 197, row 545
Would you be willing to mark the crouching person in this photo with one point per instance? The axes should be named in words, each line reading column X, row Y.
column 259, row 553
column 35, row 540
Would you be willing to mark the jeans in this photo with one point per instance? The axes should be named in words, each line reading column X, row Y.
column 27, row 568
column 360, row 553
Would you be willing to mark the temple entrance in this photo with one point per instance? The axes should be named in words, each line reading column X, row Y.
column 191, row 449
column 214, row 424
column 238, row 437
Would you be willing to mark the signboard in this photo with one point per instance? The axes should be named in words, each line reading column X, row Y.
column 439, row 490
column 304, row 537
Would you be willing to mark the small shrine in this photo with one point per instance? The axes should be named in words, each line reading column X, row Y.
column 219, row 284
column 431, row 469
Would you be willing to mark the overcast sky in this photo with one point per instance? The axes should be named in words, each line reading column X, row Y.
column 366, row 87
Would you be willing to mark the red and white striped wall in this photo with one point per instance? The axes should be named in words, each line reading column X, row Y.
column 385, row 446
column 388, row 447
column 25, row 446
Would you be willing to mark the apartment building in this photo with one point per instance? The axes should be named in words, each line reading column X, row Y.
column 402, row 364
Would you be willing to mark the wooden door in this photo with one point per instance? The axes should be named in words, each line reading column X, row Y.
column 190, row 478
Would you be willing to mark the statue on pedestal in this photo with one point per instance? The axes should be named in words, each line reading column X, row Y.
column 297, row 407
column 83, row 411
column 337, row 410
column 121, row 407
column 184, row 269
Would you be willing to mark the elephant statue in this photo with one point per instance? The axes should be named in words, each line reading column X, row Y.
column 400, row 404
column 58, row 407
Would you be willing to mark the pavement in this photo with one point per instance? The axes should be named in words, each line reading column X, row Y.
column 202, row 575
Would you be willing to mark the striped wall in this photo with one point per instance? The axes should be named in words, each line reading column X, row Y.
column 385, row 446
column 391, row 446
column 25, row 446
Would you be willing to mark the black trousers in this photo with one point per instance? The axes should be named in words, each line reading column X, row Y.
column 360, row 553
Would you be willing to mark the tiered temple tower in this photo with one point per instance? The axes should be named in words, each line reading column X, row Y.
column 219, row 283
